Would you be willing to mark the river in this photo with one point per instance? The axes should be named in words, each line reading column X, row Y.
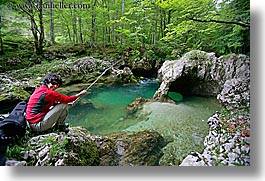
column 184, row 124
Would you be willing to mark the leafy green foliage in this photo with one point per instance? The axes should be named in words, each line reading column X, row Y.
column 169, row 28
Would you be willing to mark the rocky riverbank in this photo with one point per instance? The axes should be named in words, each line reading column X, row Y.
column 81, row 148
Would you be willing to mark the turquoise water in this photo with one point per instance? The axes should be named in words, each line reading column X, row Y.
column 103, row 110
column 184, row 124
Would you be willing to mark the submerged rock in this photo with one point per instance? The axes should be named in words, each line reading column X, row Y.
column 137, row 104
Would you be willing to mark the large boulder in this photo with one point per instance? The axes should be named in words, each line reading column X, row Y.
column 227, row 144
column 201, row 73
column 142, row 148
column 58, row 149
column 13, row 90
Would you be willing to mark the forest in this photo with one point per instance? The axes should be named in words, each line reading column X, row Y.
column 159, row 29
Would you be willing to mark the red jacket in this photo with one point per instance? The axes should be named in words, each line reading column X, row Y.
column 40, row 102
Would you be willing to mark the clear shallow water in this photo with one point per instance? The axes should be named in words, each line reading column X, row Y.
column 184, row 125
column 103, row 111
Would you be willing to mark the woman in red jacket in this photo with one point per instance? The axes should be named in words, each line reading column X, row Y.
column 47, row 108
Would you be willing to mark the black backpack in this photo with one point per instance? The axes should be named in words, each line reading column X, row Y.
column 14, row 126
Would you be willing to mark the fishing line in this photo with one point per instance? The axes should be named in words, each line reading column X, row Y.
column 96, row 80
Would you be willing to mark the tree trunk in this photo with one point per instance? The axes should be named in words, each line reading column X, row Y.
column 80, row 29
column 108, row 27
column 38, row 34
column 164, row 22
column 2, row 47
column 122, row 13
column 75, row 39
column 1, row 40
column 113, row 34
column 34, row 33
column 41, row 39
column 34, row 30
column 169, row 17
column 52, row 38
column 155, row 28
column 93, row 25
column 161, row 25
column 67, row 27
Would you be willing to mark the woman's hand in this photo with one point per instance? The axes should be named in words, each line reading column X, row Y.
column 82, row 93
column 71, row 103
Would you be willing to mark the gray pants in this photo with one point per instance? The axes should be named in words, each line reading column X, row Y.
column 55, row 116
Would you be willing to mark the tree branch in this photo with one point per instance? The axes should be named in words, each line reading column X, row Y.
column 220, row 21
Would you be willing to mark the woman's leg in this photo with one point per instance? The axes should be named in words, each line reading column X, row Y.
column 56, row 115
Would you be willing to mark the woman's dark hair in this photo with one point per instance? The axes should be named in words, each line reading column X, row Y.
column 53, row 78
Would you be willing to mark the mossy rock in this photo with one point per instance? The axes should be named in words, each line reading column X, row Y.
column 83, row 149
column 142, row 148
column 76, row 148
column 20, row 93
column 9, row 99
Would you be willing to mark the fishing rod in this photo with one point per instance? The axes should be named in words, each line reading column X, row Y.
column 96, row 80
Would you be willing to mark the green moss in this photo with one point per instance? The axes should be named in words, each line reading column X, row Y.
column 133, row 79
column 89, row 154
column 66, row 48
column 197, row 55
column 86, row 154
column 2, row 97
column 20, row 93
column 219, row 164
column 58, row 147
